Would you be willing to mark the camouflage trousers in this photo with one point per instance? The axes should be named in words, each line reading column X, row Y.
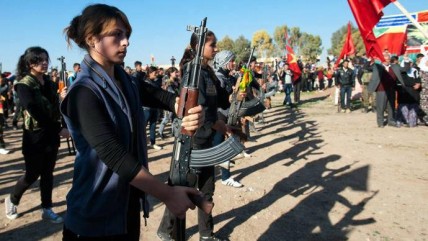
column 424, row 92
column 369, row 99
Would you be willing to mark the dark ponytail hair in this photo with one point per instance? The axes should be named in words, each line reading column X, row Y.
column 190, row 51
column 32, row 55
column 150, row 70
column 92, row 22
column 170, row 70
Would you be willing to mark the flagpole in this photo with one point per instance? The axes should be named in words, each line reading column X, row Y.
column 407, row 14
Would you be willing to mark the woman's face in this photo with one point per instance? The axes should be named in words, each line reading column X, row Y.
column 41, row 67
column 210, row 48
column 111, row 45
column 231, row 65
column 174, row 75
column 153, row 75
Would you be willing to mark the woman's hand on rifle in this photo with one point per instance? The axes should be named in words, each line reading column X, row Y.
column 178, row 201
column 63, row 93
column 195, row 119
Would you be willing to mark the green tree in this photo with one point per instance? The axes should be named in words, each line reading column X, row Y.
column 310, row 46
column 295, row 40
column 225, row 44
column 279, row 36
column 242, row 49
column 338, row 40
column 263, row 43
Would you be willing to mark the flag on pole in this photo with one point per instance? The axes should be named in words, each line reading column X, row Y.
column 348, row 47
column 394, row 39
column 367, row 14
column 292, row 63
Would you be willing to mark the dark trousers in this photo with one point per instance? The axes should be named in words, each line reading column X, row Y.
column 2, row 143
column 330, row 83
column 151, row 117
column 321, row 84
column 205, row 184
column 385, row 100
column 297, row 88
column 133, row 222
column 345, row 89
column 18, row 114
column 37, row 165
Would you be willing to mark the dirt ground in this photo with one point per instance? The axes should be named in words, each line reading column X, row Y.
column 314, row 174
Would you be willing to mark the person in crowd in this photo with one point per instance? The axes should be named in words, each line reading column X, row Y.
column 54, row 77
column 417, row 66
column 3, row 149
column 103, row 110
column 271, row 89
column 224, row 64
column 346, row 79
column 287, row 78
column 320, row 77
column 150, row 113
column 423, row 70
column 297, row 84
column 18, row 108
column 248, row 121
column 211, row 97
column 128, row 70
column 329, row 76
column 363, row 77
column 384, row 82
column 73, row 76
column 42, row 131
column 4, row 90
column 171, row 85
column 139, row 74
column 408, row 95
column 305, row 79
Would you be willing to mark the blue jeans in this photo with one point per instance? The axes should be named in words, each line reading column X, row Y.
column 151, row 116
column 166, row 118
column 287, row 90
column 346, row 89
column 217, row 139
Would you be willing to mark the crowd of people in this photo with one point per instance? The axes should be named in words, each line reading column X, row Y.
column 106, row 108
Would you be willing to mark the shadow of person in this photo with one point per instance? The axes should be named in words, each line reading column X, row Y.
column 309, row 220
column 303, row 179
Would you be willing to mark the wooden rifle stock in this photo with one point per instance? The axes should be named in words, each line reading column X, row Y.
column 188, row 99
column 180, row 172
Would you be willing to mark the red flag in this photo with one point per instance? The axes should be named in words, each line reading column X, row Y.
column 348, row 47
column 367, row 14
column 394, row 39
column 292, row 63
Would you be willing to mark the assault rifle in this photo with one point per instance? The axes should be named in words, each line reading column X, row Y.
column 239, row 106
column 61, row 84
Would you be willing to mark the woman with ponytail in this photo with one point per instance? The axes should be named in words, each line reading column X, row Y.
column 103, row 110
column 41, row 132
column 211, row 96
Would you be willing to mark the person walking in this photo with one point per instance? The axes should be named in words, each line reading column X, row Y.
column 384, row 82
column 41, row 131
column 224, row 63
column 171, row 85
column 346, row 79
column 103, row 110
column 211, row 96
